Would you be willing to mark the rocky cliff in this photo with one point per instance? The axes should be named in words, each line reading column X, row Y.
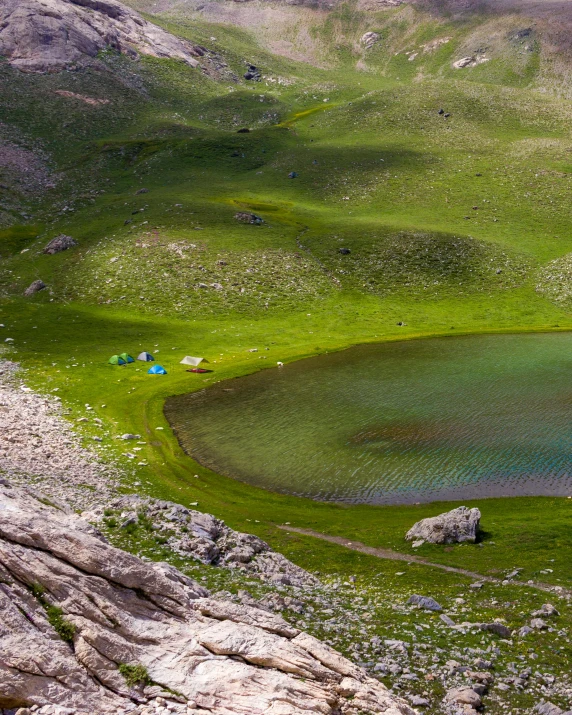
column 48, row 35
column 86, row 626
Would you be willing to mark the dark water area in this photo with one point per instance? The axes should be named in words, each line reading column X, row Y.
column 412, row 421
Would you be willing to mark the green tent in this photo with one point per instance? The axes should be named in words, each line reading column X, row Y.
column 126, row 357
column 116, row 360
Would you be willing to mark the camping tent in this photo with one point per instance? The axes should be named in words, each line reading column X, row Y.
column 146, row 357
column 116, row 360
column 157, row 370
column 126, row 357
column 194, row 361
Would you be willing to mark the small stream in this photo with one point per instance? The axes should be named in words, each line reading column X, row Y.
column 402, row 422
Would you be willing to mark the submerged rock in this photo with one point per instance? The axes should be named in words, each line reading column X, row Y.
column 452, row 527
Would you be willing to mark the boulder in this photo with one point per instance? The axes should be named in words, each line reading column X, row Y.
column 50, row 35
column 246, row 217
column 34, row 287
column 253, row 73
column 118, row 610
column 452, row 527
column 498, row 629
column 59, row 243
column 471, row 61
column 464, row 696
column 369, row 39
column 202, row 537
column 426, row 602
column 464, row 62
column 548, row 708
column 545, row 611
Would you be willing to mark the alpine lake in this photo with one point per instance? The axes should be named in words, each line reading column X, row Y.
column 399, row 422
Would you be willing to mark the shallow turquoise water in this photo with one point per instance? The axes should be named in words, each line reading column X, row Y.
column 395, row 423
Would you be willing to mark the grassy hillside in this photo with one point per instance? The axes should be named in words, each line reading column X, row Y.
column 456, row 222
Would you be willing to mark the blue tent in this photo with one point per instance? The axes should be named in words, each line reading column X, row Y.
column 157, row 370
column 145, row 357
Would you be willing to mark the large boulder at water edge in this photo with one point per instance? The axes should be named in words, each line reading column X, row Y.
column 452, row 527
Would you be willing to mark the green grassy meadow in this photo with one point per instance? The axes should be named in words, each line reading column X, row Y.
column 452, row 223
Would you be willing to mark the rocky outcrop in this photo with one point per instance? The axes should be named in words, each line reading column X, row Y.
column 49, row 35
column 58, row 244
column 90, row 627
column 202, row 537
column 452, row 527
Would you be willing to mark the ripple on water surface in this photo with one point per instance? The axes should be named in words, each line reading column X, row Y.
column 420, row 420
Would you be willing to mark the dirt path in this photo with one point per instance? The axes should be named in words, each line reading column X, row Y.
column 412, row 558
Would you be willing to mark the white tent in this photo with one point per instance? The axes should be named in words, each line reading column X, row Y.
column 194, row 361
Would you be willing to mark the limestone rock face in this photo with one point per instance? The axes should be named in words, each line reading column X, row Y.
column 49, row 35
column 73, row 608
column 452, row 527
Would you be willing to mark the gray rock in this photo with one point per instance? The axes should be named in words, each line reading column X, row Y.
column 59, row 243
column 538, row 624
column 426, row 602
column 245, row 217
column 482, row 664
column 34, row 287
column 456, row 526
column 369, row 39
column 548, row 708
column 464, row 696
column 447, row 620
column 524, row 631
column 545, row 611
column 120, row 609
column 49, row 35
column 497, row 628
